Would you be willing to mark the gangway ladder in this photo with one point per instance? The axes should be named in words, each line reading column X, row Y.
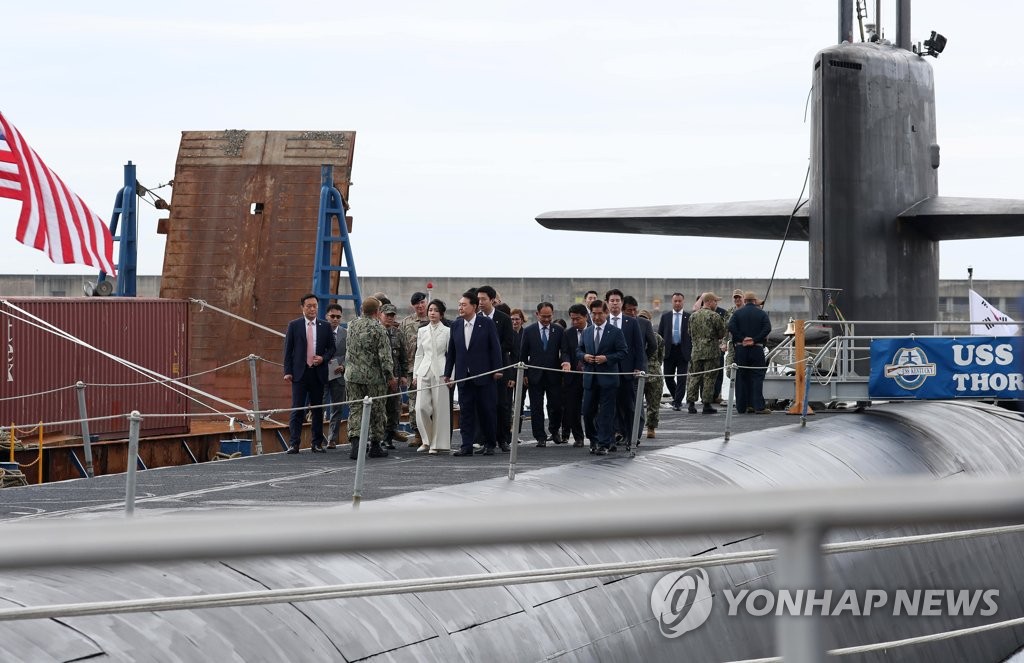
column 126, row 212
column 332, row 207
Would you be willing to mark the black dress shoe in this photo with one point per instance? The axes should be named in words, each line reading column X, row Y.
column 601, row 451
column 578, row 444
column 463, row 452
column 559, row 439
column 318, row 450
column 292, row 450
column 489, row 451
column 613, row 448
column 677, row 408
column 541, row 443
column 593, row 449
column 504, row 446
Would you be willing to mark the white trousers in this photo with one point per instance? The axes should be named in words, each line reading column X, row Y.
column 433, row 414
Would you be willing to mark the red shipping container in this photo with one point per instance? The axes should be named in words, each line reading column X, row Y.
column 152, row 333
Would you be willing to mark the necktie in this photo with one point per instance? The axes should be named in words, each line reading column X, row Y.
column 544, row 337
column 615, row 321
column 469, row 333
column 310, row 342
column 676, row 336
column 597, row 338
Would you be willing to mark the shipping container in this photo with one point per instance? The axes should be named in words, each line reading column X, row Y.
column 42, row 364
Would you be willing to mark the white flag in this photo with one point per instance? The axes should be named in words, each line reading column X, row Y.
column 982, row 311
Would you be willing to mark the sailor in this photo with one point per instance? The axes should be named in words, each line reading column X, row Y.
column 707, row 329
column 369, row 372
column 399, row 356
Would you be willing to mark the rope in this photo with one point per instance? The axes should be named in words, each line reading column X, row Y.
column 39, row 393
column 390, row 587
column 203, row 304
column 9, row 478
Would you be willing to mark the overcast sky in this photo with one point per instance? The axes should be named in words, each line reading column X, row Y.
column 474, row 117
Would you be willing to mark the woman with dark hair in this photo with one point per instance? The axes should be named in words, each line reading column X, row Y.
column 432, row 405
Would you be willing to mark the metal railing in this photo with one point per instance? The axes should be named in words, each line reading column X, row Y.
column 799, row 516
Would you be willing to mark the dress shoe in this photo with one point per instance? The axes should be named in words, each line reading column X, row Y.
column 708, row 410
column 332, row 445
column 292, row 450
column 432, row 451
column 423, row 447
column 561, row 440
column 763, row 411
column 463, row 452
column 691, row 408
column 750, row 410
column 677, row 408
column 578, row 444
column 613, row 448
column 650, row 434
column 400, row 436
column 593, row 449
column 541, row 443
column 318, row 450
column 489, row 451
column 601, row 451
column 505, row 447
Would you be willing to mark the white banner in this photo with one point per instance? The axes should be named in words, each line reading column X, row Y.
column 982, row 311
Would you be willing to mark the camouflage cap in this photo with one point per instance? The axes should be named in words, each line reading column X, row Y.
column 388, row 309
column 737, row 293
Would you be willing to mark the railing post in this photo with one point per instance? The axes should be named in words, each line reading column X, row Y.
column 134, row 422
column 257, row 416
column 638, row 410
column 517, row 421
column 39, row 460
column 807, row 396
column 799, row 567
column 364, row 433
column 11, row 440
column 730, row 404
column 800, row 379
column 86, row 439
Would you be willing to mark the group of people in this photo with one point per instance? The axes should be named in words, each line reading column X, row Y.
column 582, row 375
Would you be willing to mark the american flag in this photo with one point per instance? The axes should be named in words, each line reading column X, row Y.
column 53, row 219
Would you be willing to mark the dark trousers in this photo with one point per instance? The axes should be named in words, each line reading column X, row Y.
column 547, row 387
column 599, row 413
column 336, row 391
column 675, row 362
column 478, row 406
column 504, row 395
column 750, row 378
column 625, row 402
column 572, row 406
column 308, row 388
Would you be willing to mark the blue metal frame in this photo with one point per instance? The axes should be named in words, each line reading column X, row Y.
column 126, row 210
column 332, row 206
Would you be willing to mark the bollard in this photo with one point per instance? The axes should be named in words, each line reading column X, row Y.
column 86, row 440
column 517, row 421
column 731, row 404
column 40, row 459
column 638, row 410
column 257, row 416
column 364, row 433
column 134, row 422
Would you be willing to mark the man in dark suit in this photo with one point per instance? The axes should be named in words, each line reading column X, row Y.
column 336, row 375
column 572, row 380
column 602, row 354
column 542, row 349
column 674, row 328
column 487, row 296
column 630, row 307
column 749, row 327
column 635, row 362
column 308, row 347
column 474, row 359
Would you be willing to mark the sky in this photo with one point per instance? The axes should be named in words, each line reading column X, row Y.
column 474, row 117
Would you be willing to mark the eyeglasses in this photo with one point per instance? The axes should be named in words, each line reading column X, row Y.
column 334, row 316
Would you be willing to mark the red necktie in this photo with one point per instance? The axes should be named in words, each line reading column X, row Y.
column 310, row 342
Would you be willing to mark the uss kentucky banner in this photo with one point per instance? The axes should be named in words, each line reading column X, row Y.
column 946, row 368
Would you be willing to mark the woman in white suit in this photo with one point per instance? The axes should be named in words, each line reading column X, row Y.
column 433, row 414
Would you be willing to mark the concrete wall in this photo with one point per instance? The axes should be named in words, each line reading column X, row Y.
column 786, row 299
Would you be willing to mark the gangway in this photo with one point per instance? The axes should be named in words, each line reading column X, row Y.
column 126, row 216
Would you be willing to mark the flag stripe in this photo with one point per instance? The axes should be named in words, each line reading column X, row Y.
column 53, row 218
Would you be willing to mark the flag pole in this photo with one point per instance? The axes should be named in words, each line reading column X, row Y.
column 970, row 277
